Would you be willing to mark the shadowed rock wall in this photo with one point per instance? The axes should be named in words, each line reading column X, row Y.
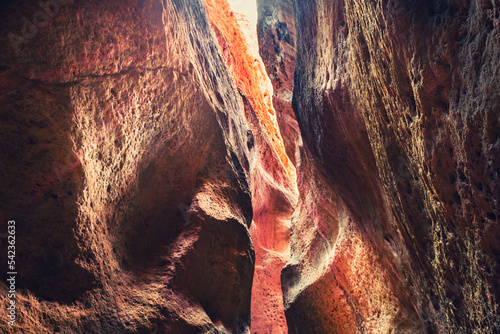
column 124, row 164
column 133, row 167
column 397, row 225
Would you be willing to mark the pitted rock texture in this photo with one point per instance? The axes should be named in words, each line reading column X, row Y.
column 397, row 227
column 125, row 164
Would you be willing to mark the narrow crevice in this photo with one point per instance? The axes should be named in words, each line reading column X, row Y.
column 272, row 123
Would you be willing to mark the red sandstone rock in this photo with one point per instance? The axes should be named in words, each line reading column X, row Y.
column 272, row 174
column 276, row 33
column 133, row 168
column 397, row 225
column 125, row 163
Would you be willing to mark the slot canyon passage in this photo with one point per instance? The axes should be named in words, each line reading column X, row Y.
column 171, row 168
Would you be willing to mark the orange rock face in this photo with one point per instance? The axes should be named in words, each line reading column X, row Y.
column 241, row 53
column 276, row 34
column 272, row 174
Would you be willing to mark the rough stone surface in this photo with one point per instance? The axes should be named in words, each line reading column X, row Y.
column 397, row 226
column 272, row 174
column 145, row 152
column 124, row 163
column 276, row 34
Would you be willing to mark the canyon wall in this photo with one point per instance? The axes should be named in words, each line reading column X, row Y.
column 272, row 173
column 151, row 166
column 397, row 227
column 125, row 160
column 276, row 35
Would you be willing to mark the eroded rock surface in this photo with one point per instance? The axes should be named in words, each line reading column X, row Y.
column 141, row 139
column 272, row 173
column 397, row 225
column 276, row 34
column 125, row 164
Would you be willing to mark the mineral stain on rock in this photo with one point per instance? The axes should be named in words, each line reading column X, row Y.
column 172, row 169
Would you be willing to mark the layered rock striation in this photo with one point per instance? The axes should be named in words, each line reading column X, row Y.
column 397, row 224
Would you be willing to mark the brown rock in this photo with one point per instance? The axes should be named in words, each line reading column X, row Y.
column 145, row 152
column 397, row 222
column 124, row 151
